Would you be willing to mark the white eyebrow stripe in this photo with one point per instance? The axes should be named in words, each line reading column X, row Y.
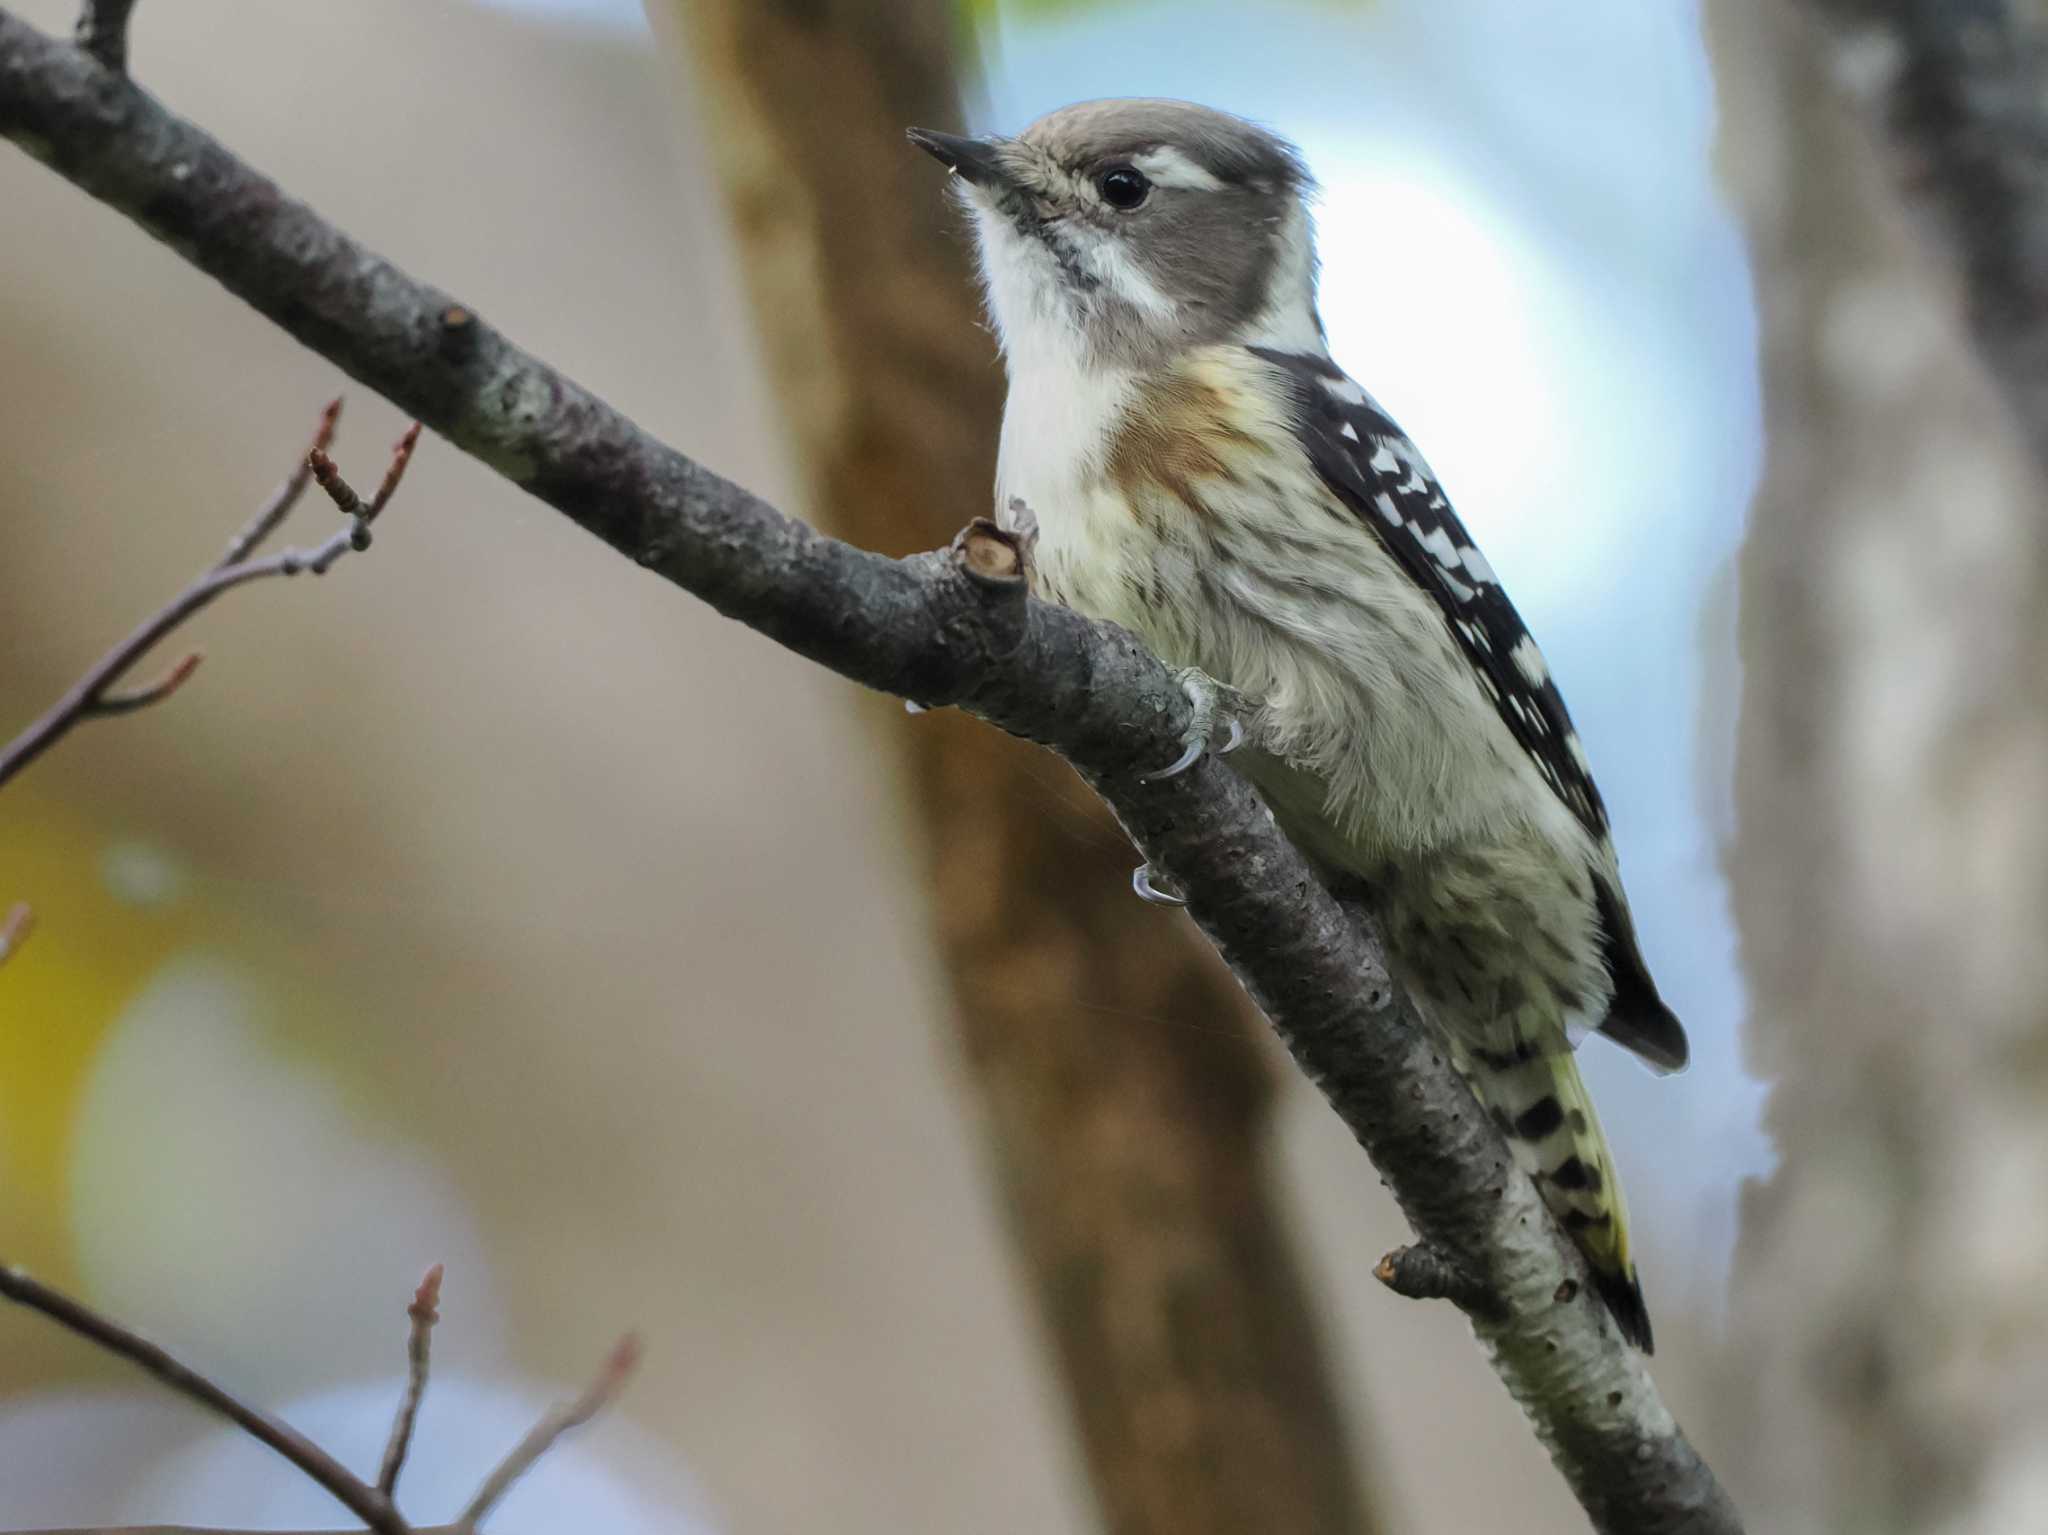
column 1168, row 167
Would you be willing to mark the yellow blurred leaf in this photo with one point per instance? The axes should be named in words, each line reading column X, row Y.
column 108, row 912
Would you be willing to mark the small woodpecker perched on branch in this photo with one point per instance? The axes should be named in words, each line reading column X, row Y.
column 1198, row 470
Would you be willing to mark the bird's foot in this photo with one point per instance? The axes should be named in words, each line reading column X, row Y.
column 1216, row 709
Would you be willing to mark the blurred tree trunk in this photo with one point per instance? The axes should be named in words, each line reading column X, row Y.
column 1126, row 1097
column 1890, row 1305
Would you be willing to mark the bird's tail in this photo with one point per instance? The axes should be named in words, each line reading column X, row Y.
column 1547, row 1116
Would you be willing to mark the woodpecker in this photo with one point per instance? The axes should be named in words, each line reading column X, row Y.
column 1197, row 469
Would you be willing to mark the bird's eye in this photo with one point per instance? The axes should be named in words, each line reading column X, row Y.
column 1123, row 187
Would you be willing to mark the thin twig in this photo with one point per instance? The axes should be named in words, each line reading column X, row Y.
column 542, row 1436
column 102, row 31
column 425, row 1312
column 358, row 1497
column 130, row 699
column 346, row 501
column 286, row 496
column 19, row 922
column 92, row 696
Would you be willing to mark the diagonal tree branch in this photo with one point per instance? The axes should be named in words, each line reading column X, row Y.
column 945, row 629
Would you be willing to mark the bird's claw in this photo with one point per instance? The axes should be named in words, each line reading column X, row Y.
column 1188, row 758
column 1211, row 701
column 1154, row 890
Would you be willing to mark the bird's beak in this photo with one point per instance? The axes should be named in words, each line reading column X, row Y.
column 974, row 161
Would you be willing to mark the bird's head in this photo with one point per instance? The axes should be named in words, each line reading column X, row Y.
column 1119, row 233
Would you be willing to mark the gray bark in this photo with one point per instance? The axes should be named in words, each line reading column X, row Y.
column 1957, row 91
column 1890, row 1337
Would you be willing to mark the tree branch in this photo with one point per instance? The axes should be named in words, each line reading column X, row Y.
column 924, row 628
column 373, row 1505
column 1959, row 95
column 357, row 1496
column 92, row 696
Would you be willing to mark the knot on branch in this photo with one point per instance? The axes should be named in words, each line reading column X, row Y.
column 1421, row 1272
column 977, row 620
column 992, row 557
column 459, row 332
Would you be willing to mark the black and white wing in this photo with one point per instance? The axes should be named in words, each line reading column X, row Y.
column 1372, row 465
column 1369, row 461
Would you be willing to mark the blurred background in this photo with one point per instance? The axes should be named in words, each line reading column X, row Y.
column 488, row 902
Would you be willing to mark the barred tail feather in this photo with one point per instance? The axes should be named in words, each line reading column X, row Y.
column 1547, row 1117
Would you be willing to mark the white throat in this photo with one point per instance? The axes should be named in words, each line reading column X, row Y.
column 1034, row 324
column 1064, row 403
column 1066, row 399
column 1058, row 423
